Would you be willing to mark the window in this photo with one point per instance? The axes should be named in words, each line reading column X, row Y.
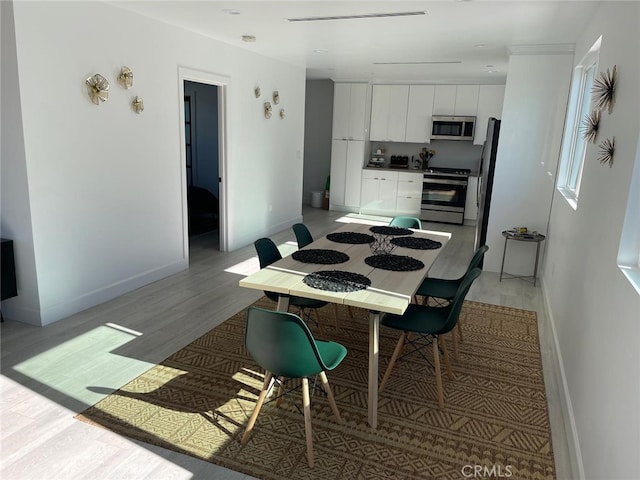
column 629, row 252
column 574, row 144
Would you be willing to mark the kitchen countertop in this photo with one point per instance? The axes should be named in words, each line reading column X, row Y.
column 412, row 170
column 389, row 169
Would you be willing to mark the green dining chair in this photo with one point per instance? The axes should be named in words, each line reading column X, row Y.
column 303, row 235
column 442, row 290
column 268, row 253
column 281, row 343
column 406, row 222
column 421, row 324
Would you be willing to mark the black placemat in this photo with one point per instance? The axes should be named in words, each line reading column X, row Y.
column 320, row 256
column 352, row 238
column 387, row 230
column 395, row 263
column 416, row 243
column 337, row 281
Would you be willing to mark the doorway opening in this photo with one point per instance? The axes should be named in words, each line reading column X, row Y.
column 203, row 159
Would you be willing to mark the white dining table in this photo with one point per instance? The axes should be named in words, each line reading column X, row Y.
column 389, row 292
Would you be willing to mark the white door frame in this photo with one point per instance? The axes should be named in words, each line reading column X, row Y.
column 222, row 82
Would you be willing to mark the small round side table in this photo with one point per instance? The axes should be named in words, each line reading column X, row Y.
column 521, row 237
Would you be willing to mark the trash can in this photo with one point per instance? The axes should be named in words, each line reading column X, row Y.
column 316, row 199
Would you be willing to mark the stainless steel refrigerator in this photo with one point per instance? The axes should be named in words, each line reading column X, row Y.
column 485, row 180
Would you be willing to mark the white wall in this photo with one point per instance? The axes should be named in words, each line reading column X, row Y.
column 530, row 137
column 15, row 213
column 595, row 310
column 105, row 184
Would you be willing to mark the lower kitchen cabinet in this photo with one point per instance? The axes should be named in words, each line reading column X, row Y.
column 347, row 157
column 391, row 193
column 379, row 191
column 409, row 196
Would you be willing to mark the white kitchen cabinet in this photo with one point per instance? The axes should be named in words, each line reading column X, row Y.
column 456, row 100
column 379, row 191
column 444, row 99
column 471, row 205
column 347, row 157
column 466, row 100
column 490, row 100
column 419, row 112
column 409, row 196
column 389, row 112
column 350, row 111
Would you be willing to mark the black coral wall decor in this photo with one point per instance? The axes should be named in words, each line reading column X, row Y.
column 590, row 126
column 604, row 89
column 607, row 150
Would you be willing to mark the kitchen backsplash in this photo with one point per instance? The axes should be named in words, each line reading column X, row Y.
column 449, row 153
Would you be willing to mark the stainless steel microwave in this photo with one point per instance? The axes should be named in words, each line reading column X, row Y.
column 453, row 128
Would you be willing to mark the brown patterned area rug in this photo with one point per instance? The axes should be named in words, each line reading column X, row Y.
column 495, row 421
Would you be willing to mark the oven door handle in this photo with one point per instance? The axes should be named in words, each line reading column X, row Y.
column 444, row 182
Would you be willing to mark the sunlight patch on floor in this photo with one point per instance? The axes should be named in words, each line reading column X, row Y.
column 366, row 219
column 76, row 364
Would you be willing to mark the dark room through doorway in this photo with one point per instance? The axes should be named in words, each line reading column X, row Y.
column 202, row 160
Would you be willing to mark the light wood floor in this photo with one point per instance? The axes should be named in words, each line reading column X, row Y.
column 49, row 374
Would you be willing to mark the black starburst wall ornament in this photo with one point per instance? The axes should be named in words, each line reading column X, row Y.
column 590, row 126
column 607, row 150
column 604, row 88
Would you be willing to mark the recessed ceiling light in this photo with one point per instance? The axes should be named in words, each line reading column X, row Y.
column 321, row 50
column 491, row 71
column 248, row 38
column 230, row 11
column 480, row 45
column 489, row 66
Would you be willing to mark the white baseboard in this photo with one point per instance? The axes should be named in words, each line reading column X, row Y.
column 65, row 309
column 573, row 442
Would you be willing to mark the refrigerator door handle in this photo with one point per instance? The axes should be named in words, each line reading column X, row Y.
column 478, row 190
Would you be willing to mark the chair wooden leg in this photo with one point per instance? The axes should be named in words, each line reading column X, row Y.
column 330, row 398
column 454, row 341
column 445, row 354
column 396, row 353
column 268, row 382
column 306, row 406
column 335, row 313
column 459, row 328
column 436, row 363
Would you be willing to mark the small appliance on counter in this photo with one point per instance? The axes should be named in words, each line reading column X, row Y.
column 399, row 161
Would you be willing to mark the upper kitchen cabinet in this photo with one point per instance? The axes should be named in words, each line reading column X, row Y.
column 456, row 100
column 490, row 102
column 419, row 113
column 350, row 111
column 389, row 112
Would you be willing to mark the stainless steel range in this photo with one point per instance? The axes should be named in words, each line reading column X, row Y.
column 444, row 194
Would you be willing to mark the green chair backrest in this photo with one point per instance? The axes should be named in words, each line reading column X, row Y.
column 303, row 235
column 406, row 222
column 477, row 258
column 456, row 304
column 282, row 344
column 268, row 252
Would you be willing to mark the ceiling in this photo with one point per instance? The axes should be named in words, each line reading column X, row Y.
column 447, row 41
